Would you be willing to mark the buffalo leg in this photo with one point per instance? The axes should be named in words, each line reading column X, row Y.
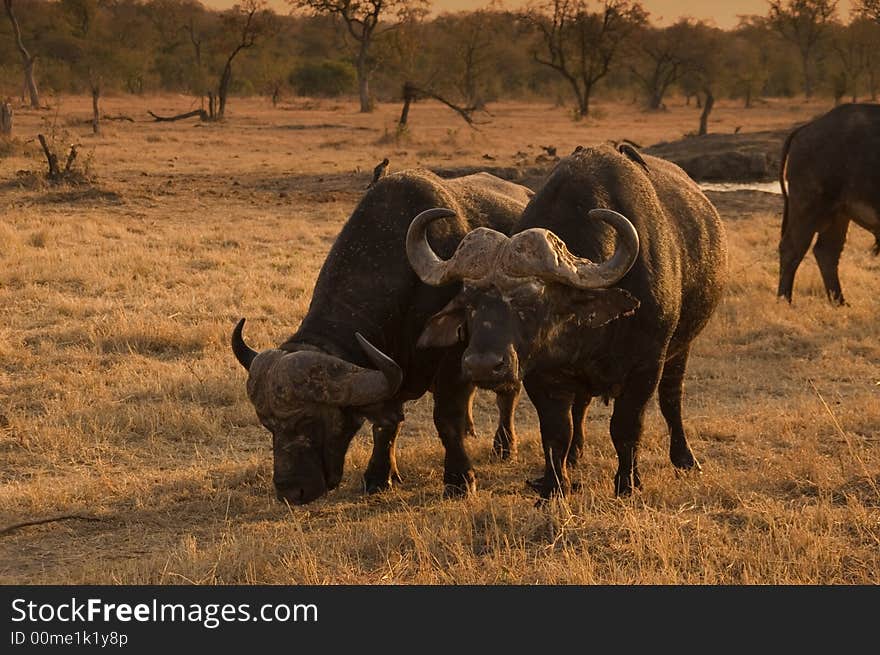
column 578, row 418
column 626, row 429
column 792, row 247
column 670, row 390
column 554, row 416
column 827, row 251
column 452, row 407
column 504, row 444
column 382, row 471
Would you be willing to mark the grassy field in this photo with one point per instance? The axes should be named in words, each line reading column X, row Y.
column 120, row 399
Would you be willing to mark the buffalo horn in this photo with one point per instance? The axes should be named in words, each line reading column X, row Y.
column 540, row 253
column 244, row 354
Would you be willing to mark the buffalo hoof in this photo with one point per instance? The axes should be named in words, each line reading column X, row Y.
column 573, row 457
column 685, row 461
column 625, row 484
column 503, row 447
column 459, row 485
column 374, row 484
column 549, row 489
column 377, row 486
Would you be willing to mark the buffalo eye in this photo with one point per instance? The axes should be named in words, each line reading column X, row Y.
column 462, row 334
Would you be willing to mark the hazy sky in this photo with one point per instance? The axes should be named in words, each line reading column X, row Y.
column 723, row 12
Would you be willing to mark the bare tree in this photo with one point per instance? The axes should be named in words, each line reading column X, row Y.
column 854, row 46
column 216, row 44
column 362, row 19
column 869, row 32
column 27, row 59
column 704, row 67
column 661, row 57
column 579, row 44
column 857, row 47
column 805, row 23
column 244, row 21
column 406, row 58
column 465, row 49
column 748, row 58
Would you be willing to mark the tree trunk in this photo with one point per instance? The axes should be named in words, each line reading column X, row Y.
column 580, row 108
column 5, row 119
column 26, row 59
column 223, row 89
column 51, row 158
column 655, row 99
column 707, row 109
column 584, row 102
column 33, row 94
column 407, row 101
column 808, row 79
column 363, row 75
column 96, row 114
column 748, row 103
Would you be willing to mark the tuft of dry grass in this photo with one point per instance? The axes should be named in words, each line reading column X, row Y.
column 119, row 398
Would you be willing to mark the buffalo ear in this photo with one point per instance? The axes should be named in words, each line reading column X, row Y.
column 445, row 328
column 597, row 308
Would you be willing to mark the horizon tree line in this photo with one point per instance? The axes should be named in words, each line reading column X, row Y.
column 565, row 50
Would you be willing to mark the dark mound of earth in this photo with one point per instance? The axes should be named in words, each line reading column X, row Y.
column 747, row 157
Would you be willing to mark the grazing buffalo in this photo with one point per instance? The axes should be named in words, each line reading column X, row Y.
column 832, row 166
column 354, row 357
column 615, row 266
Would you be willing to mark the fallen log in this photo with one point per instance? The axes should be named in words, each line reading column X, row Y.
column 201, row 113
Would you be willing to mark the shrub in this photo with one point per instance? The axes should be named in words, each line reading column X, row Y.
column 326, row 78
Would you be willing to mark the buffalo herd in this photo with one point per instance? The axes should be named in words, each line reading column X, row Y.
column 595, row 286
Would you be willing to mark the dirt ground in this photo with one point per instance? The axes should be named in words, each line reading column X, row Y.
column 120, row 400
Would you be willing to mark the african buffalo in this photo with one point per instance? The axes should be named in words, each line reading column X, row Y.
column 536, row 305
column 832, row 166
column 354, row 357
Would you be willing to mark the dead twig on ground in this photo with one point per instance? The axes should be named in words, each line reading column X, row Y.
column 53, row 519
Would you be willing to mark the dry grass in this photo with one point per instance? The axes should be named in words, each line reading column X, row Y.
column 119, row 398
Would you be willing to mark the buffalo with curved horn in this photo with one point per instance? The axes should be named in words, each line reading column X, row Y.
column 615, row 266
column 354, row 357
